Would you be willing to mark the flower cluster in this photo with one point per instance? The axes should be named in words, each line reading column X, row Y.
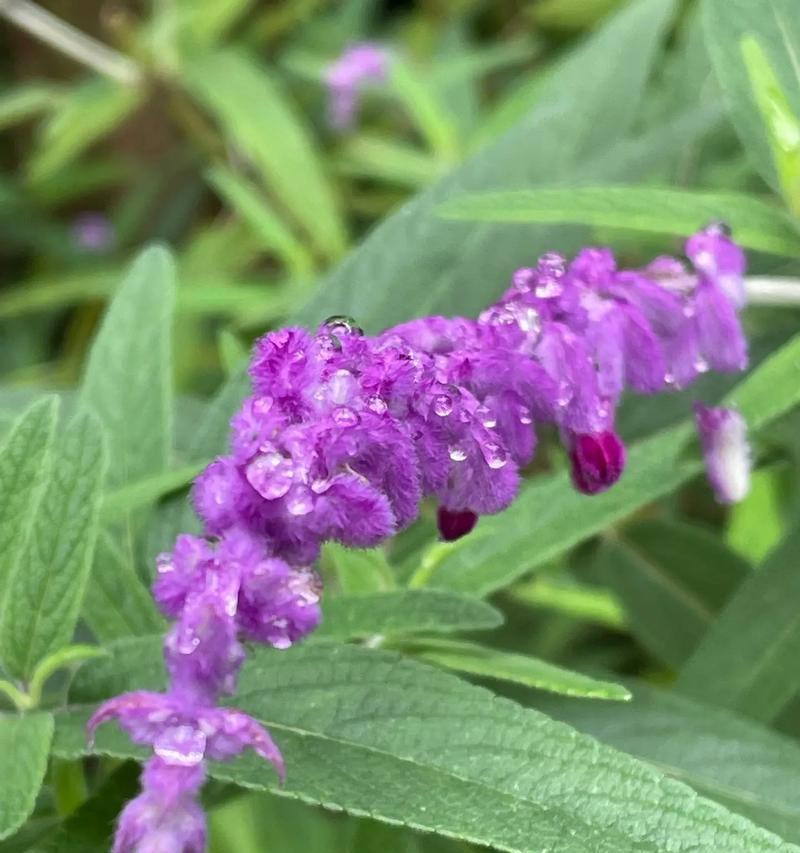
column 345, row 78
column 345, row 434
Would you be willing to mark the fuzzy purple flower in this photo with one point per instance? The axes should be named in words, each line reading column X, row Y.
column 346, row 77
column 93, row 233
column 723, row 435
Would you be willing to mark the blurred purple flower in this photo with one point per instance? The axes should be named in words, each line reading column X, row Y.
column 93, row 232
column 346, row 77
column 723, row 435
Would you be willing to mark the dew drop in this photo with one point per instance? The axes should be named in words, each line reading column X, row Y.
column 457, row 453
column 340, row 324
column 377, row 404
column 184, row 746
column 669, row 378
column 525, row 416
column 443, row 405
column 495, row 455
column 701, row 365
column 270, row 474
column 345, row 417
column 300, row 501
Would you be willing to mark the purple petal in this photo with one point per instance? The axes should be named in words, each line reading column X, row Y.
column 723, row 435
column 597, row 461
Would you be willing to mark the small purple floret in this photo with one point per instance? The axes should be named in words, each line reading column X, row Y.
column 598, row 460
column 455, row 524
column 346, row 77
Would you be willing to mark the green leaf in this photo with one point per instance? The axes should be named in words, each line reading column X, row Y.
column 374, row 734
column 232, row 352
column 46, row 592
column 246, row 200
column 24, row 459
column 578, row 601
column 737, row 762
column 24, row 745
column 26, row 100
column 359, row 570
column 672, row 580
column 747, row 660
column 148, row 490
column 255, row 115
column 387, row 160
column 65, row 656
column 756, row 224
column 550, row 516
column 783, row 126
column 86, row 113
column 128, row 380
column 756, row 524
column 774, row 24
column 414, row 264
column 475, row 659
column 404, row 611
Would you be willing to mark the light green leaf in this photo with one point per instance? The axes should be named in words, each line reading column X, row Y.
column 274, row 235
column 387, row 160
column 26, row 100
column 24, row 745
column 415, row 264
column 146, row 491
column 24, row 459
column 65, row 656
column 756, row 224
column 86, row 113
column 550, row 516
column 782, row 125
column 128, row 381
column 46, row 592
column 232, row 352
column 776, row 27
column 377, row 735
column 578, row 601
column 254, row 114
column 405, row 611
column 116, row 603
column 756, row 524
column 735, row 761
column 475, row 659
column 747, row 660
column 672, row 580
column 359, row 570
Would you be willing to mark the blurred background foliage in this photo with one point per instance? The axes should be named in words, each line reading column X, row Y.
column 205, row 129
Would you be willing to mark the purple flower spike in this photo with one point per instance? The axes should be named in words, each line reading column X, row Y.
column 453, row 525
column 723, row 435
column 346, row 77
column 597, row 460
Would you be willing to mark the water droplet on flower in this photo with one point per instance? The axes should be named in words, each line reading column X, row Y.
column 377, row 404
column 457, row 453
column 300, row 501
column 688, row 310
column 164, row 564
column 342, row 387
column 525, row 416
column 183, row 746
column 270, row 474
column 669, row 378
column 443, row 405
column 495, row 455
column 339, row 324
column 328, row 345
column 320, row 486
column 718, row 226
column 345, row 417
column 262, row 405
column 701, row 365
column 522, row 279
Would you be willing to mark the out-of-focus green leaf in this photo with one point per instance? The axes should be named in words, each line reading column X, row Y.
column 529, row 671
column 254, row 209
column 232, row 352
column 735, row 761
column 359, row 570
column 146, row 491
column 128, row 379
column 473, row 63
column 756, row 224
column 255, row 115
column 572, row 14
column 45, row 593
column 202, row 23
column 24, row 745
column 85, row 113
column 775, row 25
column 756, row 525
column 387, row 160
column 372, row 733
column 579, row 601
column 405, row 611
column 747, row 660
column 414, row 263
column 672, row 580
column 26, row 100
column 783, row 126
column 550, row 516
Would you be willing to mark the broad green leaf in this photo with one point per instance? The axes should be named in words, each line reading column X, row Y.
column 116, row 603
column 255, row 115
column 783, row 126
column 579, row 601
column 24, row 459
column 266, row 224
column 86, row 113
column 404, row 611
column 550, row 516
column 26, row 100
column 736, row 761
column 756, row 224
column 414, row 263
column 46, row 592
column 372, row 733
column 359, row 570
column 672, row 580
column 24, row 745
column 141, row 493
column 486, row 662
column 747, row 660
column 128, row 381
column 776, row 26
